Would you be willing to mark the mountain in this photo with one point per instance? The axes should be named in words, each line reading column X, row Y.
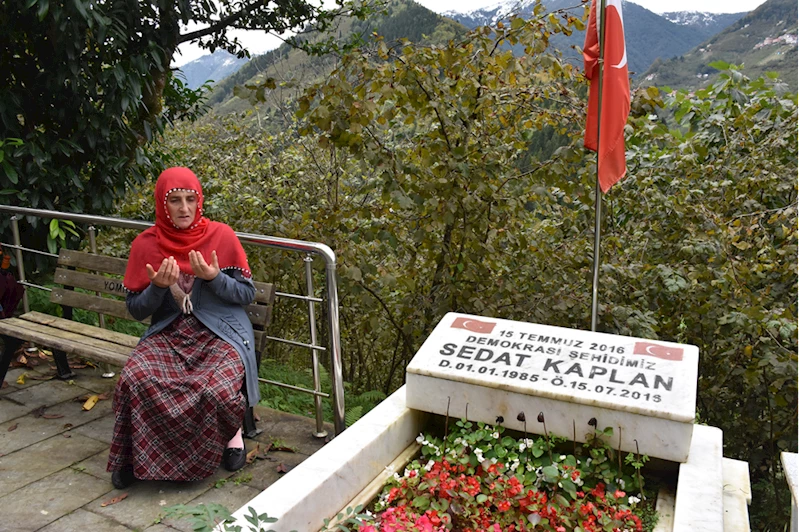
column 292, row 69
column 212, row 67
column 764, row 40
column 649, row 36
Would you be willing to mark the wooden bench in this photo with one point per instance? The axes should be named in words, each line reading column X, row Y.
column 100, row 279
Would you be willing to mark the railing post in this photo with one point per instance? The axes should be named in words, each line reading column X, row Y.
column 334, row 342
column 108, row 373
column 317, row 385
column 20, row 265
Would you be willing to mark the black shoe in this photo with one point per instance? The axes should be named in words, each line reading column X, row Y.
column 234, row 458
column 123, row 478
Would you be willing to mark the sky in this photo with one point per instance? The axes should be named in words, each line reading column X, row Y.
column 257, row 43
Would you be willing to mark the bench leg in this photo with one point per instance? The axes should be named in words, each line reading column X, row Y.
column 63, row 371
column 10, row 345
column 250, row 429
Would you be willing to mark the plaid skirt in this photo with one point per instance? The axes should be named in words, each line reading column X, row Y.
column 178, row 402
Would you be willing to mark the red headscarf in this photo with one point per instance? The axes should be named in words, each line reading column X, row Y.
column 166, row 240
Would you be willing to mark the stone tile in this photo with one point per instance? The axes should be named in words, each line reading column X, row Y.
column 42, row 459
column 101, row 429
column 230, row 495
column 288, row 430
column 83, row 520
column 11, row 410
column 264, row 472
column 159, row 528
column 11, row 380
column 31, row 429
column 95, row 466
column 49, row 499
column 146, row 500
column 92, row 379
column 47, row 393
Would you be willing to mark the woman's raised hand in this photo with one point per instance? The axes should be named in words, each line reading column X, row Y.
column 202, row 269
column 167, row 273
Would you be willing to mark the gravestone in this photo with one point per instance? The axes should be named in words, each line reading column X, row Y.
column 536, row 376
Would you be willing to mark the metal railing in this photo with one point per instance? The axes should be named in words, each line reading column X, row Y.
column 307, row 249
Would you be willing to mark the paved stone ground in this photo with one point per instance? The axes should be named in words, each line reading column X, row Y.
column 52, row 461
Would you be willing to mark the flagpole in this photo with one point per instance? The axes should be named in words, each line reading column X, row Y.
column 598, row 194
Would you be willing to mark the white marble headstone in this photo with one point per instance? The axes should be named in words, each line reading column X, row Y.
column 644, row 389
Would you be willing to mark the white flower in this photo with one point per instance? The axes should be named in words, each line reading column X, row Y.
column 429, row 465
column 420, row 439
column 621, row 482
column 522, row 447
column 563, row 457
column 397, row 478
column 495, row 435
column 389, row 469
column 633, row 500
column 514, row 465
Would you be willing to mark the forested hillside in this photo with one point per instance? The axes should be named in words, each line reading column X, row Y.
column 291, row 70
column 763, row 41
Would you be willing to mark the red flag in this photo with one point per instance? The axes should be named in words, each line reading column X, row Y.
column 615, row 93
column 666, row 352
column 473, row 325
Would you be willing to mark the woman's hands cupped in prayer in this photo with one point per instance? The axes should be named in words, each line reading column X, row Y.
column 166, row 275
column 202, row 269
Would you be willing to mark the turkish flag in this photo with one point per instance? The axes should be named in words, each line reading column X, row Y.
column 666, row 352
column 615, row 93
column 471, row 324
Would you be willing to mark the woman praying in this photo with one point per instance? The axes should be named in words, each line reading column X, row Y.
column 181, row 397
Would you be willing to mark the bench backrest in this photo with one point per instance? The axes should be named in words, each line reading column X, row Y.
column 102, row 276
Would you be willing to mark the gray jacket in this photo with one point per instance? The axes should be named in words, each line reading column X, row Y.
column 219, row 305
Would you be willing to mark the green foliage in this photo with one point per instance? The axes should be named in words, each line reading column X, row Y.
column 210, row 516
column 86, row 87
column 300, row 403
column 414, row 166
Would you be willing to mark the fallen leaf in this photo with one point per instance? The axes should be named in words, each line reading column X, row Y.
column 284, row 449
column 39, row 411
column 281, row 468
column 4, row 385
column 252, row 455
column 21, row 378
column 42, row 377
column 114, row 500
column 52, row 416
column 67, row 425
column 262, row 456
column 104, row 396
column 67, row 435
column 90, row 402
column 13, row 427
column 22, row 359
column 44, row 353
column 256, row 416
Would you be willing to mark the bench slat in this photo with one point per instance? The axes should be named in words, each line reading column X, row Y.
column 90, row 261
column 89, row 281
column 264, row 293
column 60, row 340
column 82, row 328
column 97, row 332
column 76, row 337
column 101, row 305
